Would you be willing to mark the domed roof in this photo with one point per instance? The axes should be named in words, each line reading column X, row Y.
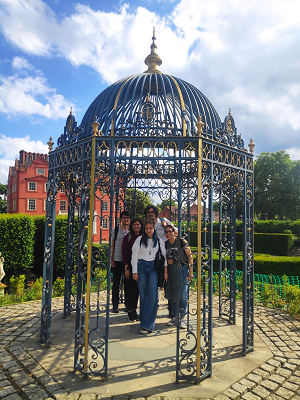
column 150, row 104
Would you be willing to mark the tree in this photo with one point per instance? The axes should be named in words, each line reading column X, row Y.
column 216, row 206
column 276, row 186
column 3, row 189
column 295, row 176
column 136, row 202
column 166, row 203
column 3, row 202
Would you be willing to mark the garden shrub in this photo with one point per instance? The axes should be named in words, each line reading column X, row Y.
column 61, row 229
column 264, row 264
column 35, row 289
column 17, row 285
column 270, row 243
column 58, row 287
column 16, row 242
column 39, row 241
column 269, row 226
column 291, row 295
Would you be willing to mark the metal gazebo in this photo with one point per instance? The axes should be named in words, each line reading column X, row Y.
column 158, row 134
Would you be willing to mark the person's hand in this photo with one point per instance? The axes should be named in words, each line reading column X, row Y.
column 170, row 261
column 127, row 273
column 163, row 223
column 113, row 264
column 166, row 276
column 190, row 276
column 135, row 276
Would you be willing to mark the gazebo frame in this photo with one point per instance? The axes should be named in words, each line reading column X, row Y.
column 179, row 161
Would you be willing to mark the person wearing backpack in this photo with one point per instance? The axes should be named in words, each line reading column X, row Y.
column 117, row 267
column 131, row 289
column 180, row 272
column 144, row 272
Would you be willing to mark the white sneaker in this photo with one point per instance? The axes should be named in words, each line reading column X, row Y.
column 172, row 322
column 182, row 324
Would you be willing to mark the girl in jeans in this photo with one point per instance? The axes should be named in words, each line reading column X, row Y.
column 180, row 272
column 135, row 230
column 143, row 271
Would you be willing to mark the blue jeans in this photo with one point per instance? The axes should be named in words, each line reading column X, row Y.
column 183, row 295
column 147, row 285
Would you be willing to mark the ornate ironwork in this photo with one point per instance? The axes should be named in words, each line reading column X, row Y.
column 151, row 139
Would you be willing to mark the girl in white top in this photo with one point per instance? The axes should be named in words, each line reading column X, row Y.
column 143, row 271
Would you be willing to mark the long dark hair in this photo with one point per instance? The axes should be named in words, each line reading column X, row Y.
column 131, row 224
column 144, row 239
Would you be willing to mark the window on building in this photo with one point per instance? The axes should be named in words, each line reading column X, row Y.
column 104, row 205
column 63, row 205
column 8, row 207
column 8, row 192
column 46, row 186
column 105, row 223
column 14, row 188
column 32, row 186
column 40, row 171
column 45, row 204
column 14, row 205
column 31, row 204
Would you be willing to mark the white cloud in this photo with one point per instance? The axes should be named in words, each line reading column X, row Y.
column 240, row 54
column 294, row 153
column 9, row 151
column 31, row 95
column 21, row 63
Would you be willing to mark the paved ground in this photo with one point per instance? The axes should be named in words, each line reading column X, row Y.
column 28, row 371
column 295, row 252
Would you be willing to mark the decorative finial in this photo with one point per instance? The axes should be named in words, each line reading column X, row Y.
column 95, row 125
column 50, row 144
column 71, row 111
column 251, row 146
column 200, row 126
column 229, row 112
column 148, row 97
column 153, row 60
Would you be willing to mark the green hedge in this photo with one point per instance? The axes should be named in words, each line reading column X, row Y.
column 265, row 243
column 22, row 243
column 61, row 224
column 39, row 240
column 269, row 226
column 61, row 229
column 16, row 242
column 264, row 264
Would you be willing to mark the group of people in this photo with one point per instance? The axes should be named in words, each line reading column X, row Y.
column 133, row 252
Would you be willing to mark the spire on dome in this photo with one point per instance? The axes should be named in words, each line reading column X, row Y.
column 153, row 60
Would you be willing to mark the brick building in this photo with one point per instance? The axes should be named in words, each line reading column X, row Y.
column 173, row 214
column 27, row 193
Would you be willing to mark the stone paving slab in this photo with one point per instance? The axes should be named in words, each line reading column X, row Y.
column 145, row 366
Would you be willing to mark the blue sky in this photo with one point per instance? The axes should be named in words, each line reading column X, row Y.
column 58, row 54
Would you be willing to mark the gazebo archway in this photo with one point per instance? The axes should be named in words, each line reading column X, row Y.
column 162, row 135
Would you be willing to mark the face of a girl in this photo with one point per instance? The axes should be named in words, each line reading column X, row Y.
column 136, row 227
column 149, row 229
column 169, row 233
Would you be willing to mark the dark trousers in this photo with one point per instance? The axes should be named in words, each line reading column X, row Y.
column 117, row 272
column 132, row 293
